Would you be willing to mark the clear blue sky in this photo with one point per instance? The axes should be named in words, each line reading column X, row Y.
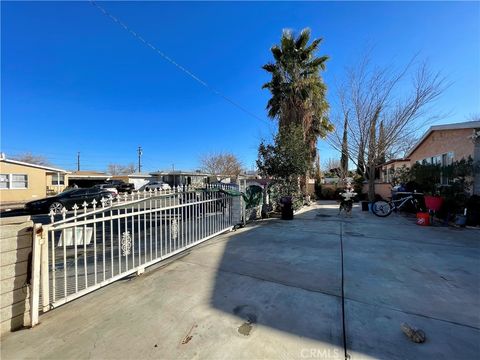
column 72, row 80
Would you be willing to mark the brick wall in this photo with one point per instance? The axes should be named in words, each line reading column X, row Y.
column 15, row 248
column 442, row 141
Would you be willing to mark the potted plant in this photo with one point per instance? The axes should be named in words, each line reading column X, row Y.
column 428, row 177
column 461, row 220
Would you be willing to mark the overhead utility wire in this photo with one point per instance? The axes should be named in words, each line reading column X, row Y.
column 173, row 62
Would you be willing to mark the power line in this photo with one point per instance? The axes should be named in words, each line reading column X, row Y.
column 173, row 62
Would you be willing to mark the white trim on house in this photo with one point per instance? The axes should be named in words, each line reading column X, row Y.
column 48, row 168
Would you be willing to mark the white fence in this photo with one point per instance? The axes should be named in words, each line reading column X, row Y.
column 92, row 246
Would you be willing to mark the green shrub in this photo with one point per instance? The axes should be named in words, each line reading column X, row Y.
column 327, row 193
column 318, row 189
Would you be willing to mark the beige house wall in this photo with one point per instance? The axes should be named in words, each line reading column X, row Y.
column 37, row 183
column 388, row 170
column 443, row 141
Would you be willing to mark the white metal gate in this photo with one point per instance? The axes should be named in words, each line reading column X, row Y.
column 91, row 246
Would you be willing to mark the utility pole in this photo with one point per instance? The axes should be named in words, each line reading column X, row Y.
column 140, row 153
column 78, row 161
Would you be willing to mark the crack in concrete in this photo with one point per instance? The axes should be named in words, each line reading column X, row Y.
column 381, row 306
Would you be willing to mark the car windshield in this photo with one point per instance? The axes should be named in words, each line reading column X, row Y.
column 67, row 191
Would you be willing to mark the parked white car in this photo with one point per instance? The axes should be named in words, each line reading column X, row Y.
column 107, row 187
column 159, row 185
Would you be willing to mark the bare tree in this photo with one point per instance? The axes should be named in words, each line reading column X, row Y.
column 334, row 167
column 382, row 115
column 224, row 164
column 344, row 158
column 32, row 159
column 331, row 164
column 473, row 117
column 117, row 169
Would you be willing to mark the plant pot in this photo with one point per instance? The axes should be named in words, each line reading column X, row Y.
column 364, row 205
column 433, row 203
column 461, row 220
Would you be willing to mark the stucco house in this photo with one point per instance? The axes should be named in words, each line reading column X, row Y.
column 179, row 178
column 21, row 181
column 388, row 169
column 444, row 144
column 441, row 144
column 137, row 179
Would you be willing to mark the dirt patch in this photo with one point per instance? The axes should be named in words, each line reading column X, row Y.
column 247, row 313
column 245, row 329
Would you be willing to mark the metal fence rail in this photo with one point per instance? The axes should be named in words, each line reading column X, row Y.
column 93, row 246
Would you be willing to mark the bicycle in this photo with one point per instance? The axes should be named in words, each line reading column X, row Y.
column 384, row 208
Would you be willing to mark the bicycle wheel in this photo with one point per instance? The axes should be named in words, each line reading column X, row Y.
column 381, row 208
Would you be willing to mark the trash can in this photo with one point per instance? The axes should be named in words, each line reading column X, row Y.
column 287, row 208
column 364, row 205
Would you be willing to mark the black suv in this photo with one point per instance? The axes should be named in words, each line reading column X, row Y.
column 121, row 186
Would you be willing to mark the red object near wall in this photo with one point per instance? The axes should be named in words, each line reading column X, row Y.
column 423, row 219
column 433, row 203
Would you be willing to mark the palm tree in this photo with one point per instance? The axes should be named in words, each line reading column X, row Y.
column 298, row 91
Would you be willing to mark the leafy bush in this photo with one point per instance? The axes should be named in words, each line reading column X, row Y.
column 473, row 211
column 328, row 194
column 427, row 176
column 279, row 189
column 358, row 187
column 253, row 196
column 318, row 189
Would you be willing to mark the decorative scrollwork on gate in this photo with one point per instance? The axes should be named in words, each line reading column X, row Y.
column 126, row 243
column 174, row 229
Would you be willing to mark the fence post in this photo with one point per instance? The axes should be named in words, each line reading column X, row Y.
column 35, row 276
column 44, row 273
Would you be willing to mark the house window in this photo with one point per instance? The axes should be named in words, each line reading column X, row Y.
column 58, row 179
column 4, row 181
column 449, row 159
column 19, row 181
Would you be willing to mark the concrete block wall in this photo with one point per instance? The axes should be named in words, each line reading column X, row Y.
column 237, row 209
column 15, row 249
column 382, row 189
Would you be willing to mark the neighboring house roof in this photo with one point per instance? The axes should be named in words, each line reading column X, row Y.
column 85, row 174
column 454, row 126
column 43, row 167
column 133, row 175
column 187, row 173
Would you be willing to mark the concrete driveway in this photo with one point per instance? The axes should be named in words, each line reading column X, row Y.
column 274, row 291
